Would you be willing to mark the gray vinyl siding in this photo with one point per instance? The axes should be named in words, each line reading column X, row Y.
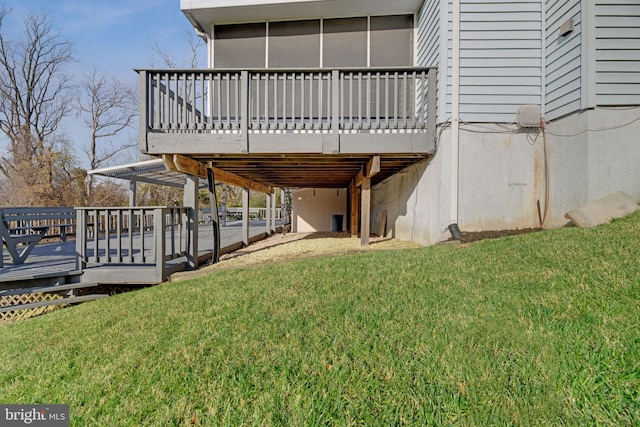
column 617, row 52
column 564, row 60
column 428, row 34
column 500, row 58
column 428, row 41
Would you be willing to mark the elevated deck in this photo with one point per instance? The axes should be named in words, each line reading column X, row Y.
column 291, row 128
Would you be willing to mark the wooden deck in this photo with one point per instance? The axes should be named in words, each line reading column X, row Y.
column 52, row 261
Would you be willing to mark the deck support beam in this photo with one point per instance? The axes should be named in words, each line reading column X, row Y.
column 363, row 180
column 184, row 164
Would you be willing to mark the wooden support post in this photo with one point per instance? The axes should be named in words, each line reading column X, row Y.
column 363, row 180
column 213, row 202
column 268, row 214
column 365, row 222
column 273, row 212
column 245, row 216
column 133, row 186
column 355, row 199
column 191, row 201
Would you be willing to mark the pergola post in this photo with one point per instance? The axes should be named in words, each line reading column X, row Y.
column 133, row 190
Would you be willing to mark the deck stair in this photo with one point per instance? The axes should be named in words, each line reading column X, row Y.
column 26, row 298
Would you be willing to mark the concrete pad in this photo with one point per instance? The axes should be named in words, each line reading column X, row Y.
column 603, row 210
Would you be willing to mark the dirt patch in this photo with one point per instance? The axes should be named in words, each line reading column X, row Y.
column 470, row 237
column 286, row 247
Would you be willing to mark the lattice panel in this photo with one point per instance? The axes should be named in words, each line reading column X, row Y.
column 12, row 316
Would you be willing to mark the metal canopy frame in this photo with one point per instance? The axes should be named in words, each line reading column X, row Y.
column 148, row 171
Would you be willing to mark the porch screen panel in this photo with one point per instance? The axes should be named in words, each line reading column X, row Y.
column 239, row 46
column 345, row 42
column 392, row 41
column 392, row 99
column 294, row 44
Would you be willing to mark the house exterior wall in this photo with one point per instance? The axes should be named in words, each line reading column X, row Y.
column 564, row 59
column 428, row 45
column 617, row 52
column 512, row 53
column 500, row 59
column 313, row 209
column 592, row 151
column 592, row 154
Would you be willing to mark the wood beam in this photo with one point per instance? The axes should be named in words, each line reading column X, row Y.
column 184, row 164
column 371, row 169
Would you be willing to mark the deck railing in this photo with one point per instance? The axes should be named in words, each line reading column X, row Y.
column 269, row 101
column 137, row 235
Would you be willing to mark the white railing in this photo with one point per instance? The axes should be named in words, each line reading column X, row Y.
column 137, row 235
column 263, row 101
column 235, row 213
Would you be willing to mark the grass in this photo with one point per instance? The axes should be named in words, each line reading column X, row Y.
column 538, row 329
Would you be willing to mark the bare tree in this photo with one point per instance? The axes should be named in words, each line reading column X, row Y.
column 34, row 98
column 193, row 52
column 109, row 107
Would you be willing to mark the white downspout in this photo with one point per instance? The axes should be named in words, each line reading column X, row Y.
column 455, row 120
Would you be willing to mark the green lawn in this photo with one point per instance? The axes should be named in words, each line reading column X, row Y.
column 538, row 329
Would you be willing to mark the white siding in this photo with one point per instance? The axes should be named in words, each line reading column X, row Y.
column 500, row 58
column 617, row 53
column 563, row 59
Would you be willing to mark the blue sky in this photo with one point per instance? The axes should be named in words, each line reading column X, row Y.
column 113, row 36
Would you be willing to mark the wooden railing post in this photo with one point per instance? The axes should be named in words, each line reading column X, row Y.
column 331, row 142
column 81, row 239
column 244, row 113
column 144, row 101
column 431, row 109
column 159, row 226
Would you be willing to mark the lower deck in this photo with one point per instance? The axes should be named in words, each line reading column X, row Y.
column 56, row 262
